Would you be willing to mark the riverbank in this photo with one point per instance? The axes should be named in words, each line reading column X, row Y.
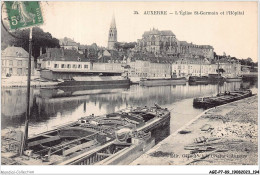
column 21, row 81
column 225, row 135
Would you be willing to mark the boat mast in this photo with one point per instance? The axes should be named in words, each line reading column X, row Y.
column 200, row 67
column 25, row 135
column 218, row 74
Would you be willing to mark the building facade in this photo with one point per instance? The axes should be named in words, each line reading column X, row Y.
column 65, row 64
column 146, row 69
column 112, row 35
column 185, row 67
column 165, row 43
column 15, row 62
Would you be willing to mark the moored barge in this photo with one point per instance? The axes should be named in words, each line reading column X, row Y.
column 96, row 81
column 221, row 98
column 116, row 138
column 233, row 79
column 163, row 81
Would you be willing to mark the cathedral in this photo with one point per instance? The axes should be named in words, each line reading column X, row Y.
column 164, row 42
column 112, row 35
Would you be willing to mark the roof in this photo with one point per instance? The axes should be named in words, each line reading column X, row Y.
column 93, row 46
column 68, row 42
column 83, row 47
column 158, row 32
column 113, row 22
column 15, row 52
column 57, row 55
column 192, row 60
column 185, row 43
column 113, row 53
column 167, row 32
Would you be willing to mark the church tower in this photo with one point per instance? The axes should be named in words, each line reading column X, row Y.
column 112, row 34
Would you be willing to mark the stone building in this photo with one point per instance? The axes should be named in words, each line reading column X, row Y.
column 15, row 61
column 185, row 67
column 60, row 63
column 165, row 43
column 68, row 43
column 112, row 35
column 146, row 69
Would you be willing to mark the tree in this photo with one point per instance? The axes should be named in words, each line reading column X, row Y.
column 20, row 38
column 124, row 46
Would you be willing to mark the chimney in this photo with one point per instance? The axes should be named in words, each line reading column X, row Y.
column 62, row 54
column 48, row 52
column 62, row 51
column 40, row 51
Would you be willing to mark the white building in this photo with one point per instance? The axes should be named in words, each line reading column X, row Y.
column 15, row 61
column 185, row 67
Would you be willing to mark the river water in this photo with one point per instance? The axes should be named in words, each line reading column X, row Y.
column 49, row 109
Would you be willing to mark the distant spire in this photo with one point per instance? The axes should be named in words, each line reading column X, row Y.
column 113, row 22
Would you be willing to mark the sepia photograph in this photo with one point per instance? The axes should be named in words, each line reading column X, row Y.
column 129, row 83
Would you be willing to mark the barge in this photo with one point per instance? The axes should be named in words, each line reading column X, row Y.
column 221, row 98
column 76, row 91
column 163, row 81
column 196, row 79
column 211, row 79
column 233, row 79
column 96, row 81
column 111, row 139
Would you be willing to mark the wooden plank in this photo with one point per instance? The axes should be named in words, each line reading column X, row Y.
column 79, row 147
column 84, row 155
column 104, row 154
column 47, row 135
column 37, row 142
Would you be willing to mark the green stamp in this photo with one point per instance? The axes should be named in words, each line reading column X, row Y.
column 23, row 14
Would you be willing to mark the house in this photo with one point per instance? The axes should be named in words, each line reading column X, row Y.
column 15, row 61
column 147, row 69
column 68, row 43
column 59, row 63
column 185, row 67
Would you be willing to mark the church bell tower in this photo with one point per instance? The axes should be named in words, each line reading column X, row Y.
column 112, row 34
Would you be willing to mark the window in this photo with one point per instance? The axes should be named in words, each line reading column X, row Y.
column 25, row 63
column 74, row 66
column 86, row 66
column 19, row 63
column 49, row 63
column 10, row 70
column 68, row 66
column 79, row 66
column 56, row 66
column 19, row 71
column 10, row 62
column 62, row 65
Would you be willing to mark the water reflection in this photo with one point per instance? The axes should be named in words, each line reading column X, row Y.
column 52, row 107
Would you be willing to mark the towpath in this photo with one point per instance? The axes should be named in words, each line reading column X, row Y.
column 225, row 135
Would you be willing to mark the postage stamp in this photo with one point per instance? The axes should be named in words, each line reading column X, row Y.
column 23, row 14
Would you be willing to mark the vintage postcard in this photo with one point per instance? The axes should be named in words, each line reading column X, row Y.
column 129, row 83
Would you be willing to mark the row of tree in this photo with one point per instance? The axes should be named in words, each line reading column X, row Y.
column 247, row 62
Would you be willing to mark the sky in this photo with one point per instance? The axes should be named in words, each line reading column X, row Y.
column 89, row 22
